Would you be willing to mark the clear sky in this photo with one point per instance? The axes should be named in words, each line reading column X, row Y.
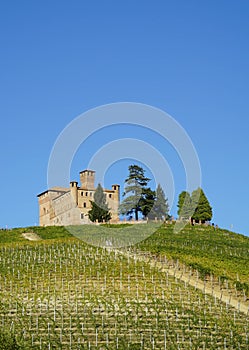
column 61, row 58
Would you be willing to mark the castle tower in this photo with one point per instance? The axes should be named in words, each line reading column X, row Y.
column 87, row 179
column 116, row 189
column 74, row 191
column 115, row 202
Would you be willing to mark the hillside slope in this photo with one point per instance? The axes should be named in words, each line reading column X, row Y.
column 213, row 253
column 64, row 294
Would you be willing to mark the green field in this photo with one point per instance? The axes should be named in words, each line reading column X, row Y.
column 61, row 293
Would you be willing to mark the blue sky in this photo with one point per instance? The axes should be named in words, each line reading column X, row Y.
column 189, row 58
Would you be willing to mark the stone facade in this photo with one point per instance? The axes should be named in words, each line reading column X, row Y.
column 69, row 206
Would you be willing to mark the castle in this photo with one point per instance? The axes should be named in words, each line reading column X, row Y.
column 60, row 206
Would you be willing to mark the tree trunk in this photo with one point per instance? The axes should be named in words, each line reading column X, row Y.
column 136, row 214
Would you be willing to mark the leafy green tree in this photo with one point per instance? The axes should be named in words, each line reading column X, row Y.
column 202, row 209
column 99, row 210
column 138, row 196
column 184, row 205
column 147, row 201
column 160, row 208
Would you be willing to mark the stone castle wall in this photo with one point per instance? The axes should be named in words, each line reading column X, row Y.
column 70, row 206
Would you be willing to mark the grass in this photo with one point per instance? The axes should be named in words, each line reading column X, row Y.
column 51, row 232
column 11, row 236
column 15, row 235
column 122, row 235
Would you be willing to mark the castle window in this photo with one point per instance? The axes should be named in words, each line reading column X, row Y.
column 84, row 204
column 91, row 194
column 86, row 193
column 114, row 188
column 110, row 195
column 82, row 216
column 82, row 194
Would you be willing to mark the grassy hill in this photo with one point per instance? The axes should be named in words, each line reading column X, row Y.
column 61, row 293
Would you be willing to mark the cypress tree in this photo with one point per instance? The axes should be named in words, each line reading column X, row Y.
column 99, row 210
column 160, row 208
column 184, row 205
column 202, row 209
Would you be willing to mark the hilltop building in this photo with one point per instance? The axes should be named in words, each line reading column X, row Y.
column 70, row 206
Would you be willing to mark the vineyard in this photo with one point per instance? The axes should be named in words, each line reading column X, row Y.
column 212, row 252
column 61, row 293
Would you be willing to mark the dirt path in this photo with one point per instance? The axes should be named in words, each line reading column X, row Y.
column 31, row 236
column 206, row 287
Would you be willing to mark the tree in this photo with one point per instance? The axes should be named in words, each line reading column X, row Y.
column 184, row 205
column 139, row 198
column 202, row 209
column 147, row 201
column 160, row 208
column 99, row 210
column 195, row 206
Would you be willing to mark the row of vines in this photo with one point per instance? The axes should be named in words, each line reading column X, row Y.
column 64, row 294
column 214, row 253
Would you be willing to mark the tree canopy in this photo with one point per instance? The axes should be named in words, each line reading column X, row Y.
column 196, row 206
column 184, row 205
column 139, row 197
column 160, row 209
column 99, row 211
column 147, row 201
column 203, row 210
